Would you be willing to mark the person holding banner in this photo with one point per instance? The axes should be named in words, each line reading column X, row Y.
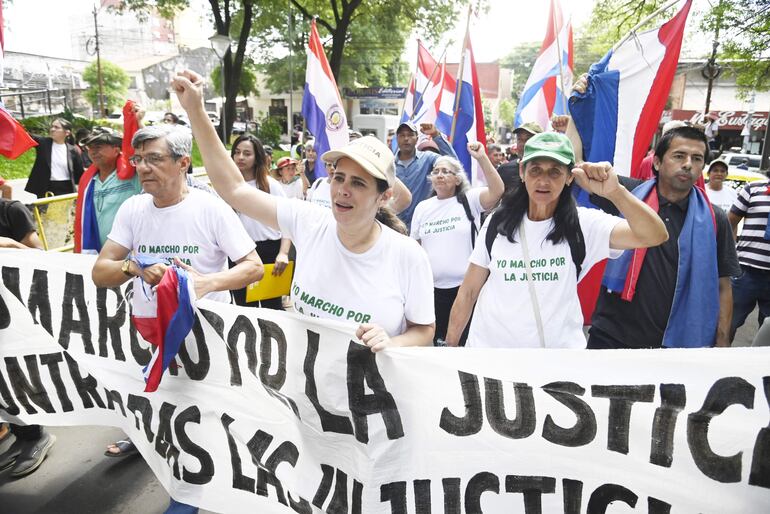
column 538, row 244
column 446, row 225
column 250, row 158
column 381, row 280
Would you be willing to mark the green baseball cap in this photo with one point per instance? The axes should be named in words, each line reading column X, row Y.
column 550, row 145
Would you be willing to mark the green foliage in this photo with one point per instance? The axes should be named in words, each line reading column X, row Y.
column 114, row 84
column 40, row 124
column 270, row 131
column 248, row 82
column 613, row 19
column 19, row 168
column 372, row 36
column 507, row 111
column 744, row 39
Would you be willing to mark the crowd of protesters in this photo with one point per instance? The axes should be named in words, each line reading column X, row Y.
column 492, row 266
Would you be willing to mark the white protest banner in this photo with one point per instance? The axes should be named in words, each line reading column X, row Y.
column 273, row 412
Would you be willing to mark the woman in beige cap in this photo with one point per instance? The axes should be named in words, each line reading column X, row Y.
column 383, row 279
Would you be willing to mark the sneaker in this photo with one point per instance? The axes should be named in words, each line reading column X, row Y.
column 9, row 450
column 32, row 455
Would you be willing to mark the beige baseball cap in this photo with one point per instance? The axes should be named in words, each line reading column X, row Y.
column 371, row 153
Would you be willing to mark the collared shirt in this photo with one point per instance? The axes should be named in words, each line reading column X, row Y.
column 642, row 322
column 753, row 205
column 109, row 195
column 414, row 174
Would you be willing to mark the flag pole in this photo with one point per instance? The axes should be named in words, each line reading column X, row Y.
column 459, row 79
column 556, row 33
column 430, row 81
column 644, row 22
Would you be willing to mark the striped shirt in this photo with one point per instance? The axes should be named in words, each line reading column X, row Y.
column 753, row 205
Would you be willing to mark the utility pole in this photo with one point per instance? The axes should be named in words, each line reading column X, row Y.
column 291, row 80
column 712, row 70
column 99, row 65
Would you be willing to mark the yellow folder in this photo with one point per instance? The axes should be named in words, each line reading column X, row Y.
column 271, row 286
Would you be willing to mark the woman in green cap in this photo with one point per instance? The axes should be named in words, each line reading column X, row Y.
column 535, row 248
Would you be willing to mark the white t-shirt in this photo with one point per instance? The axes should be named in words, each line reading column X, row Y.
column 724, row 198
column 293, row 189
column 256, row 230
column 388, row 284
column 320, row 193
column 59, row 168
column 201, row 230
column 504, row 317
column 444, row 230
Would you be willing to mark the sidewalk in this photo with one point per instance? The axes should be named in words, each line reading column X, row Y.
column 18, row 190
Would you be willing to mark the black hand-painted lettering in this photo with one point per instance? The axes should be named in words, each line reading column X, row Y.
column 584, row 429
column 85, row 385
column 28, row 387
column 673, row 398
column 8, row 400
column 572, row 495
column 622, row 399
column 760, row 461
column 605, row 494
column 140, row 406
column 478, row 484
column 532, row 489
column 266, row 475
column 241, row 326
column 422, row 497
column 452, row 495
column 11, row 281
column 75, row 294
column 395, row 493
column 325, row 487
column 362, row 367
column 725, row 392
column 240, row 481
column 329, row 422
column 520, row 427
column 164, row 442
column 114, row 398
column 339, row 502
column 193, row 415
column 39, row 303
column 358, row 492
column 655, row 506
column 471, row 422
column 110, row 324
column 52, row 361
column 196, row 370
column 273, row 383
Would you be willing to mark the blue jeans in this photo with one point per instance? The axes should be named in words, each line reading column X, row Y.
column 752, row 288
column 175, row 507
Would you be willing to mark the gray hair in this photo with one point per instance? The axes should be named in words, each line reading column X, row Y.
column 310, row 143
column 178, row 141
column 457, row 167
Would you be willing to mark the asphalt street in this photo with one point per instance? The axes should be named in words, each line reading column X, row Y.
column 77, row 478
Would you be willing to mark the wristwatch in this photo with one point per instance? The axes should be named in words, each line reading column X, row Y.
column 126, row 267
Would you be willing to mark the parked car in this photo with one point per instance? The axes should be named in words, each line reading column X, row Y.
column 733, row 160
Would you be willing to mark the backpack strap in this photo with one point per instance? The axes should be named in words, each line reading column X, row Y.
column 577, row 250
column 491, row 234
column 464, row 202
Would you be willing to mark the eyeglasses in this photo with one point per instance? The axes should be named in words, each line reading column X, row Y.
column 442, row 171
column 153, row 159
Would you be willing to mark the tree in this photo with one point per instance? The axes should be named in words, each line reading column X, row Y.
column 114, row 84
column 248, row 82
column 743, row 28
column 232, row 18
column 368, row 37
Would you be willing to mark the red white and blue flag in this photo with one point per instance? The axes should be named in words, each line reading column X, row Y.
column 543, row 95
column 424, row 93
column 469, row 114
column 163, row 317
column 627, row 90
column 321, row 103
column 14, row 140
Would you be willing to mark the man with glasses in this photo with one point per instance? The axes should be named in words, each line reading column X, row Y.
column 176, row 224
column 108, row 183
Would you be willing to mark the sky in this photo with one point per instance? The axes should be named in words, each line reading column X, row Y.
column 494, row 34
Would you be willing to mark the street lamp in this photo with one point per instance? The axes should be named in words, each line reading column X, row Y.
column 220, row 43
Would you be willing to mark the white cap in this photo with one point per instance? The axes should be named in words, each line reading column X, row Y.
column 371, row 153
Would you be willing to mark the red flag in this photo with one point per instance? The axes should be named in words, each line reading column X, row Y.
column 14, row 140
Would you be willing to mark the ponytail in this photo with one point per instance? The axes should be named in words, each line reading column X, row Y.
column 387, row 217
